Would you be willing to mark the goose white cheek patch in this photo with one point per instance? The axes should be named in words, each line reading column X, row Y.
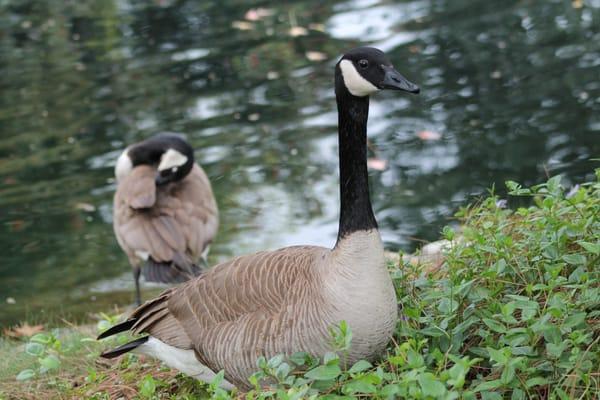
column 356, row 84
column 123, row 166
column 171, row 159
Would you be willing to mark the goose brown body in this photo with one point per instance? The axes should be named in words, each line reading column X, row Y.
column 171, row 224
column 278, row 302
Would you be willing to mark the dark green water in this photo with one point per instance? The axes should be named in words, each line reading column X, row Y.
column 512, row 87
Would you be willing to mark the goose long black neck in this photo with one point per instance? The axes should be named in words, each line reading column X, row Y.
column 356, row 213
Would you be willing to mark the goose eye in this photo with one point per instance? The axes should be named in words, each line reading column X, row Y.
column 363, row 63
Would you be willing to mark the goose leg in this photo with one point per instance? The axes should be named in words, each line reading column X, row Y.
column 136, row 278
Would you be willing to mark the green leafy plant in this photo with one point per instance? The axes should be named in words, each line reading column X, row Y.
column 46, row 347
column 147, row 387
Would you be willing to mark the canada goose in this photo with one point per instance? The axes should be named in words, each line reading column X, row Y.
column 285, row 301
column 165, row 215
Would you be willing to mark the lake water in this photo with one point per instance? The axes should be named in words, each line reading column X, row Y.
column 510, row 90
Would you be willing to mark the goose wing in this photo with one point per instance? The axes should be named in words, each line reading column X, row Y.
column 260, row 304
column 197, row 213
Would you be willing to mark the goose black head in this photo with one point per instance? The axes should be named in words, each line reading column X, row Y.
column 170, row 154
column 366, row 70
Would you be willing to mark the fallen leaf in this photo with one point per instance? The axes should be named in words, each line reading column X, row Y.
column 11, row 300
column 16, row 225
column 298, row 31
column 253, row 117
column 414, row 49
column 377, row 164
column 316, row 56
column 317, row 27
column 429, row 135
column 272, row 75
column 85, row 207
column 24, row 330
column 254, row 14
column 577, row 3
column 242, row 25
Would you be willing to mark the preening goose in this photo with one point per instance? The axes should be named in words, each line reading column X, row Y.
column 284, row 301
column 165, row 215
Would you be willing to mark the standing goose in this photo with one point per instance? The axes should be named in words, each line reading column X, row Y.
column 284, row 301
column 165, row 215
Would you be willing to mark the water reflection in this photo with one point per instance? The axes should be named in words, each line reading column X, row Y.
column 510, row 89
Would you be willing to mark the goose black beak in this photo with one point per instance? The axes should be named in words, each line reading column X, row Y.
column 395, row 81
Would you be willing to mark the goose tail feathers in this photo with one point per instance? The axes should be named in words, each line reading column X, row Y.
column 169, row 272
column 127, row 347
column 122, row 327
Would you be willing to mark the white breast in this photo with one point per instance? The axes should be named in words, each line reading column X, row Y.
column 360, row 286
column 181, row 360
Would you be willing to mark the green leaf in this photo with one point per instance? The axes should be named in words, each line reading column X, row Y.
column 497, row 355
column 25, row 375
column 518, row 394
column 528, row 310
column 562, row 394
column 299, row 358
column 491, row 396
column 508, row 374
column 324, row 373
column 496, row 383
column 42, row 338
column 275, row 361
column 147, row 387
column 537, row 381
column 552, row 334
column 431, row 386
column 359, row 386
column 50, row 363
column 324, row 386
column 432, row 331
column 34, row 349
column 390, row 391
column 494, row 325
column 447, row 306
column 331, row 358
column 553, row 185
column 261, row 362
column 448, row 233
column 216, row 381
column 515, row 189
column 282, row 370
column 574, row 259
column 415, row 360
column 555, row 350
column 591, row 247
column 360, row 366
column 574, row 320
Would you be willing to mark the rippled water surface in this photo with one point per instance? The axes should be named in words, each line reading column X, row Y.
column 510, row 90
